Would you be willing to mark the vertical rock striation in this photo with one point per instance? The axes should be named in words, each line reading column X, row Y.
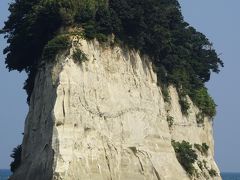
column 105, row 119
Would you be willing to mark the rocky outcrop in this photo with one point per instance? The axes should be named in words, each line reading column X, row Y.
column 105, row 119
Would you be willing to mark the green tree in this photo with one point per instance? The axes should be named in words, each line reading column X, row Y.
column 182, row 56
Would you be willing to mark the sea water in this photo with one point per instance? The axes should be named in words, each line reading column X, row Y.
column 4, row 174
column 230, row 176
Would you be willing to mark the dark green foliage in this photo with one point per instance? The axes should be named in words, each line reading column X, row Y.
column 212, row 172
column 202, row 148
column 185, row 155
column 79, row 56
column 16, row 155
column 203, row 164
column 198, row 147
column 204, row 102
column 170, row 121
column 183, row 101
column 31, row 24
column 182, row 56
column 205, row 148
column 184, row 105
column 54, row 46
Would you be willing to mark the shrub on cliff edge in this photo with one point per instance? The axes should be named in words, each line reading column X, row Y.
column 185, row 155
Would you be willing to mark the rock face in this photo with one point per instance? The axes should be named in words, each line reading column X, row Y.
column 105, row 119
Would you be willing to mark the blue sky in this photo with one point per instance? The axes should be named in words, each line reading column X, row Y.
column 13, row 107
column 218, row 19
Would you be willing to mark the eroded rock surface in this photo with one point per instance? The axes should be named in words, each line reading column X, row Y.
column 105, row 119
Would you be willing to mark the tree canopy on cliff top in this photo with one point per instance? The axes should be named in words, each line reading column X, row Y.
column 181, row 55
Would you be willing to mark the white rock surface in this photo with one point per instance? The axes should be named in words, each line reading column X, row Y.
column 105, row 119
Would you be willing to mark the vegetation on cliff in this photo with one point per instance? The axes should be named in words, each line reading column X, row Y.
column 186, row 156
column 202, row 148
column 182, row 56
column 16, row 155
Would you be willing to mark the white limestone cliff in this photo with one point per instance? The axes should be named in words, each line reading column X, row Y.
column 105, row 119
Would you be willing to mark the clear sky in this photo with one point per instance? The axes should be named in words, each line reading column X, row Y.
column 218, row 19
column 13, row 107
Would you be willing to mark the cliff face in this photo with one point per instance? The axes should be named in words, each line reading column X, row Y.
column 105, row 118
